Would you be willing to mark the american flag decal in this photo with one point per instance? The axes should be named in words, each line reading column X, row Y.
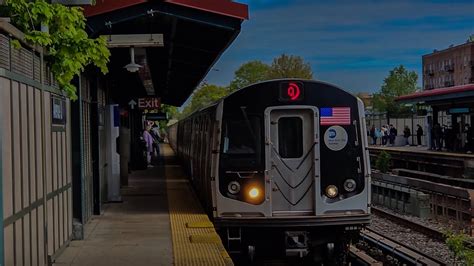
column 335, row 116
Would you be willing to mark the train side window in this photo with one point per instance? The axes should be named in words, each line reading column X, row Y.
column 290, row 137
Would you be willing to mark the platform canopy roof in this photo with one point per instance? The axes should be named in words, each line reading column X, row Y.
column 195, row 34
column 440, row 96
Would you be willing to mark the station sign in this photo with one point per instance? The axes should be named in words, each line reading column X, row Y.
column 149, row 103
column 291, row 91
column 58, row 110
column 156, row 116
column 460, row 110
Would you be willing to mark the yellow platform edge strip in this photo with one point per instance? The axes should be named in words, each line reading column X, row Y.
column 195, row 241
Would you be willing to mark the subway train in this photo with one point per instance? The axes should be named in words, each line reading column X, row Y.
column 281, row 167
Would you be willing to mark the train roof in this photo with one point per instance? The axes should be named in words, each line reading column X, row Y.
column 271, row 81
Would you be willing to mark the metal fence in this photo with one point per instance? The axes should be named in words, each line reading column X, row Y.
column 378, row 120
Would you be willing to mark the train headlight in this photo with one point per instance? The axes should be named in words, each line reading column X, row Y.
column 233, row 187
column 331, row 191
column 350, row 185
column 254, row 193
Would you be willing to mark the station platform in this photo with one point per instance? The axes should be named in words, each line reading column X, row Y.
column 159, row 222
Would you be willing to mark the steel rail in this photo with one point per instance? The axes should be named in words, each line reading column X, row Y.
column 362, row 257
column 415, row 225
column 398, row 250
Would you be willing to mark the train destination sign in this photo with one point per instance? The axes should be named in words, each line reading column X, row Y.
column 291, row 91
column 149, row 103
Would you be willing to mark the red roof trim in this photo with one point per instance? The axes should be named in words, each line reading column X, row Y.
column 440, row 91
column 222, row 7
column 105, row 6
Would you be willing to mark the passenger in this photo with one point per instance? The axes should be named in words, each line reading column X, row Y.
column 419, row 134
column 149, row 144
column 392, row 134
column 155, row 132
column 378, row 134
column 437, row 133
column 449, row 140
column 469, row 138
column 384, row 132
column 373, row 136
column 406, row 135
column 456, row 137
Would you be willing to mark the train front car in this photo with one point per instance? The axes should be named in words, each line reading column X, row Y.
column 293, row 171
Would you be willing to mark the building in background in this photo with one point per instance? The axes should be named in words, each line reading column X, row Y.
column 450, row 67
column 448, row 91
column 367, row 99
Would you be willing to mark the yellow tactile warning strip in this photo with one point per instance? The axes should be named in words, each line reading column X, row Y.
column 195, row 241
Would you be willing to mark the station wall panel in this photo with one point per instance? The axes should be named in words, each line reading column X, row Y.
column 36, row 160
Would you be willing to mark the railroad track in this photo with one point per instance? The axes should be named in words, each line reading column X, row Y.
column 414, row 225
column 360, row 257
column 411, row 224
column 398, row 250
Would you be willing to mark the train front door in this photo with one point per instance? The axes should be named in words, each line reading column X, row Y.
column 291, row 154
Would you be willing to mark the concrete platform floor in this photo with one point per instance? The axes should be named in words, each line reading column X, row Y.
column 135, row 232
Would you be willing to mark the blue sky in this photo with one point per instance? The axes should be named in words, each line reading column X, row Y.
column 349, row 43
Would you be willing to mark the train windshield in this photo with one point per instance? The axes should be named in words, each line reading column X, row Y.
column 241, row 136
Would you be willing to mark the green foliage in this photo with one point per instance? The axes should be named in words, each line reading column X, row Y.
column 69, row 49
column 383, row 161
column 284, row 66
column 290, row 66
column 456, row 243
column 249, row 73
column 204, row 96
column 15, row 44
column 399, row 82
column 171, row 110
column 471, row 38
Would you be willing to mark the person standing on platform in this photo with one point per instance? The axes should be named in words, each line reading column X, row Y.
column 372, row 135
column 149, row 144
column 469, row 139
column 384, row 132
column 157, row 137
column 406, row 135
column 392, row 135
column 378, row 134
column 456, row 137
column 437, row 133
column 419, row 134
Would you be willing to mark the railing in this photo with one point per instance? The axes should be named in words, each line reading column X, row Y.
column 449, row 83
column 449, row 68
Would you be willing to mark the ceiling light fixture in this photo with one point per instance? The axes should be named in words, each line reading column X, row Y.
column 132, row 67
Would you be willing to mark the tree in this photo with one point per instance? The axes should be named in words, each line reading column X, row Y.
column 249, row 73
column 290, row 66
column 69, row 49
column 399, row 82
column 204, row 96
column 171, row 110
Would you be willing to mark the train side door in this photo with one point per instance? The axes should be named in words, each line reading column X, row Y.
column 291, row 152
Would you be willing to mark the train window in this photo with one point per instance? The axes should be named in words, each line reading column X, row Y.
column 239, row 136
column 290, row 137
